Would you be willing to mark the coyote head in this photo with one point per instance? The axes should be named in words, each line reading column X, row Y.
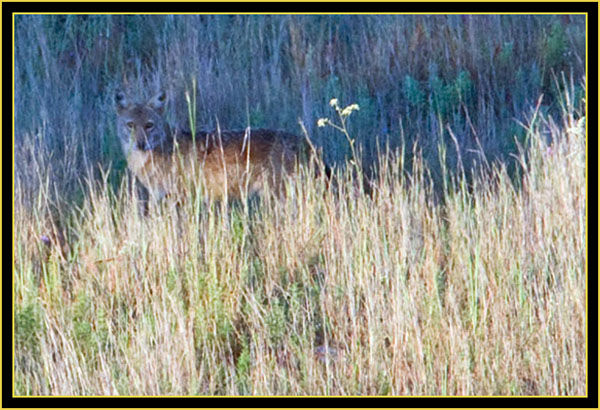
column 141, row 126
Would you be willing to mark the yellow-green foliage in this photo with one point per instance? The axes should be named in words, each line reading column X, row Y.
column 478, row 290
column 426, row 275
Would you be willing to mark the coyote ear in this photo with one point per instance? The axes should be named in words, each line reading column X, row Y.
column 157, row 103
column 121, row 101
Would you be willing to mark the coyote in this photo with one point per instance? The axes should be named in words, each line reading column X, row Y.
column 231, row 162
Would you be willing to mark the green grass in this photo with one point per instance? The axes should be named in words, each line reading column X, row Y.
column 446, row 279
column 414, row 77
column 327, row 292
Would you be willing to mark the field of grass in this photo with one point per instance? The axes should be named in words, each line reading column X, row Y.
column 458, row 270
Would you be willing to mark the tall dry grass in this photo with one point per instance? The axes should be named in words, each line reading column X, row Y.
column 479, row 290
column 458, row 270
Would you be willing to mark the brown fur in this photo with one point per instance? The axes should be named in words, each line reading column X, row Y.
column 232, row 163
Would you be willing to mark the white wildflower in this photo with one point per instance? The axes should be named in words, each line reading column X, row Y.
column 348, row 110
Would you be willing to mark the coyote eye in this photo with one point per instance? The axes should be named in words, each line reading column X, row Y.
column 130, row 125
column 149, row 125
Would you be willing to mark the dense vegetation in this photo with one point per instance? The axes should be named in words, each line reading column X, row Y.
column 460, row 272
column 415, row 78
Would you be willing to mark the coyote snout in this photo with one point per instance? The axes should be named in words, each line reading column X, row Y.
column 141, row 127
column 230, row 162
